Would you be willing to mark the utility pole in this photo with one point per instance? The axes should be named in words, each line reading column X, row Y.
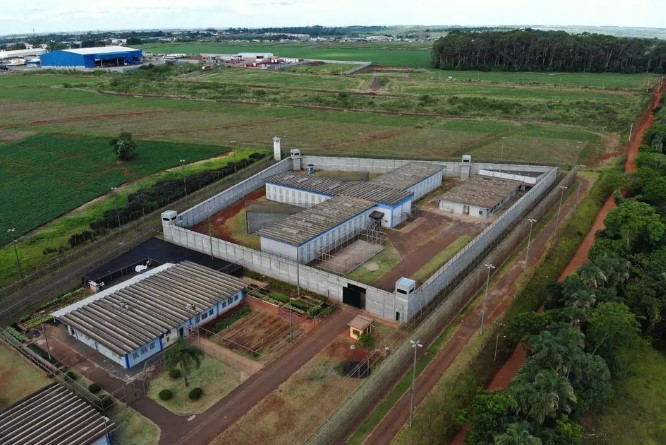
column 529, row 240
column 18, row 262
column 485, row 296
column 559, row 208
column 415, row 345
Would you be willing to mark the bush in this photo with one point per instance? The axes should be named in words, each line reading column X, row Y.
column 195, row 394
column 16, row 334
column 71, row 375
column 165, row 395
column 94, row 388
column 367, row 340
column 104, row 402
column 174, row 373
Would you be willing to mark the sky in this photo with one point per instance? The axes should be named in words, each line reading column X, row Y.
column 91, row 15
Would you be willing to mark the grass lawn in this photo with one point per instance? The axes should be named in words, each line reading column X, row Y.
column 440, row 259
column 18, row 379
column 326, row 68
column 375, row 267
column 637, row 414
column 132, row 428
column 214, row 377
column 237, row 228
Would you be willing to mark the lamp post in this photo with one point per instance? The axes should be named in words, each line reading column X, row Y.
column 182, row 165
column 114, row 190
column 233, row 156
column 485, row 296
column 529, row 239
column 559, row 208
column 497, row 342
column 631, row 131
column 415, row 345
column 18, row 262
column 502, row 152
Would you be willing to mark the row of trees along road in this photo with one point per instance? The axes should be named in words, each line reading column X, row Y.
column 594, row 324
column 531, row 50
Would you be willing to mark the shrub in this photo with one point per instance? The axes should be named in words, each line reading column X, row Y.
column 174, row 373
column 16, row 334
column 94, row 388
column 195, row 394
column 105, row 401
column 71, row 375
column 165, row 395
column 367, row 340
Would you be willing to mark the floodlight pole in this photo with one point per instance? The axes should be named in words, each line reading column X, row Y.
column 529, row 240
column 631, row 131
column 298, row 272
column 497, row 342
column 210, row 234
column 485, row 296
column 415, row 345
column 18, row 262
column 559, row 208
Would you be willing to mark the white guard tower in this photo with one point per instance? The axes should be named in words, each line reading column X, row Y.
column 277, row 154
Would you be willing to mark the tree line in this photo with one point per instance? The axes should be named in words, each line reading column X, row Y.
column 532, row 50
column 595, row 322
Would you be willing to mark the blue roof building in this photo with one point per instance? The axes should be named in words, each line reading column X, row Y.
column 100, row 57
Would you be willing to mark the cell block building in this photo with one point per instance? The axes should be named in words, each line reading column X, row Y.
column 303, row 236
column 134, row 320
column 479, row 196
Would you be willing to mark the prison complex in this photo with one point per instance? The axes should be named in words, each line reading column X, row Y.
column 134, row 320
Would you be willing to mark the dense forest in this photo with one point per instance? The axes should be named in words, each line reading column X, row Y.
column 530, row 50
column 595, row 324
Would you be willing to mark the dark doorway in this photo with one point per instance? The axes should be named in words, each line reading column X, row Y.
column 354, row 296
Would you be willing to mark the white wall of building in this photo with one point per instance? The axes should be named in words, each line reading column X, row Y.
column 296, row 197
column 426, row 186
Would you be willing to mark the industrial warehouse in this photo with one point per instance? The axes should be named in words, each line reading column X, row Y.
column 53, row 415
column 98, row 57
column 134, row 320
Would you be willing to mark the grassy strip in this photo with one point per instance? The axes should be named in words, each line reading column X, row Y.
column 231, row 319
column 638, row 412
column 385, row 260
column 473, row 367
column 132, row 427
column 440, row 259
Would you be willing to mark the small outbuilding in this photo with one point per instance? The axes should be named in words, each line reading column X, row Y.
column 479, row 196
column 53, row 415
column 360, row 325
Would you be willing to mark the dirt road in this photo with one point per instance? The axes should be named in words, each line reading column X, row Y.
column 515, row 362
column 499, row 298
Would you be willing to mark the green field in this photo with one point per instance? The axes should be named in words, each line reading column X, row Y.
column 379, row 54
column 46, row 175
column 638, row 412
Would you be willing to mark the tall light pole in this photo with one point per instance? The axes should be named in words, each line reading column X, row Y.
column 559, row 208
column 497, row 342
column 485, row 296
column 114, row 191
column 529, row 239
column 502, row 152
column 233, row 156
column 182, row 167
column 631, row 131
column 18, row 262
column 415, row 345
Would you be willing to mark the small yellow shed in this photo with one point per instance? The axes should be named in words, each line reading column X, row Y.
column 359, row 325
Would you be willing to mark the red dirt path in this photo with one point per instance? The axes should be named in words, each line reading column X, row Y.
column 515, row 362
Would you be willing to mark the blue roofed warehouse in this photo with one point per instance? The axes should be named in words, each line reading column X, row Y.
column 99, row 57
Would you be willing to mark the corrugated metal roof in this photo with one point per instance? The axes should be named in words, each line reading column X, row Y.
column 127, row 318
column 100, row 50
column 482, row 191
column 333, row 187
column 52, row 415
column 297, row 229
column 408, row 175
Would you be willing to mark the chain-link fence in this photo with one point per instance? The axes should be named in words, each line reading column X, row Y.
column 430, row 322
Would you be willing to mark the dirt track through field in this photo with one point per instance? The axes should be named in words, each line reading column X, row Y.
column 515, row 362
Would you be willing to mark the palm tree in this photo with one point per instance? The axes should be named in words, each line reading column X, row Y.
column 542, row 394
column 517, row 434
column 183, row 355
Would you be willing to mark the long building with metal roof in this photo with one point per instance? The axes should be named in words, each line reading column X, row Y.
column 54, row 415
column 479, row 196
column 137, row 319
column 316, row 229
column 419, row 178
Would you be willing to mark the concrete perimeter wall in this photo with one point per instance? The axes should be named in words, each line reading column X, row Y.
column 378, row 302
column 385, row 165
column 229, row 196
